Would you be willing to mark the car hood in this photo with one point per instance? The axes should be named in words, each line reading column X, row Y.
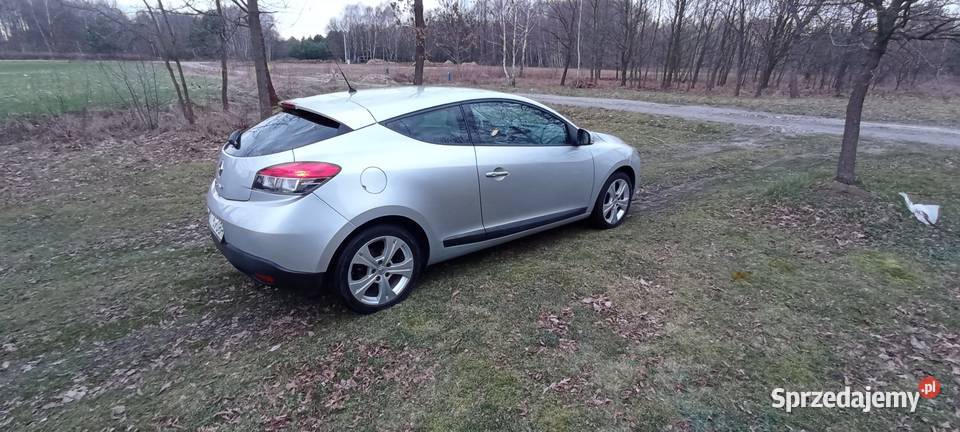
column 603, row 137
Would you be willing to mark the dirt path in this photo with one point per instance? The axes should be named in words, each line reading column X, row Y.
column 788, row 123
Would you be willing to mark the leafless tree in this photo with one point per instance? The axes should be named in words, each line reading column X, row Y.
column 170, row 52
column 890, row 20
column 671, row 67
column 564, row 13
column 266, row 95
column 224, row 73
column 137, row 86
column 630, row 12
column 454, row 30
column 788, row 21
column 420, row 29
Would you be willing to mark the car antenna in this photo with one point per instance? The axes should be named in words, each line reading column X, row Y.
column 350, row 88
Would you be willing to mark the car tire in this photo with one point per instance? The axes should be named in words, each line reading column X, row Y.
column 606, row 215
column 359, row 278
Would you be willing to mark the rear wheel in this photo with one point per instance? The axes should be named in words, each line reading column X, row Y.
column 614, row 201
column 377, row 268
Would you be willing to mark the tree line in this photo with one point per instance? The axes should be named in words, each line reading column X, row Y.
column 838, row 46
column 793, row 45
column 97, row 29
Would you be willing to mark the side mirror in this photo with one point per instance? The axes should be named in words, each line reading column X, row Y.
column 234, row 138
column 583, row 137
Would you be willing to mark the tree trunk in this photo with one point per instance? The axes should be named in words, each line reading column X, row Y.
column 168, row 53
column 794, row 75
column 265, row 92
column 840, row 77
column 173, row 78
column 794, row 84
column 419, row 28
column 503, row 46
column 764, row 81
column 579, row 21
column 188, row 104
column 846, row 165
column 624, row 62
column 43, row 34
column 741, row 79
column 566, row 67
column 223, row 57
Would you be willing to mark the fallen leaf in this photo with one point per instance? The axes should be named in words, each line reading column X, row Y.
column 918, row 344
column 118, row 411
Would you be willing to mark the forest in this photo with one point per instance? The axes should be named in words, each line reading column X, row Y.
column 797, row 45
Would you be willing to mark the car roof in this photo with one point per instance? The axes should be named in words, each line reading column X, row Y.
column 369, row 106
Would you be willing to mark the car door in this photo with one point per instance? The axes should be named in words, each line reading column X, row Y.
column 530, row 171
column 437, row 173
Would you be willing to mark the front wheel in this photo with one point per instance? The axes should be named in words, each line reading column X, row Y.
column 614, row 201
column 377, row 268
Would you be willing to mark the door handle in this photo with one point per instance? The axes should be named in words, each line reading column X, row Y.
column 495, row 174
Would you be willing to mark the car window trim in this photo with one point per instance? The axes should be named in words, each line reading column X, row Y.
column 468, row 119
column 312, row 117
column 568, row 127
column 463, row 115
column 319, row 119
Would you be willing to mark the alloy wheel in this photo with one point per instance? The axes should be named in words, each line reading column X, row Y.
column 380, row 270
column 615, row 201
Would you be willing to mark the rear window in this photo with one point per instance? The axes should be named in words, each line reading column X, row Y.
column 284, row 131
column 439, row 126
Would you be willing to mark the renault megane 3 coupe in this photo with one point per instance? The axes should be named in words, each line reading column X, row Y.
column 364, row 189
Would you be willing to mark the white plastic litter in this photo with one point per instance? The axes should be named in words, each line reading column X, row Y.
column 925, row 213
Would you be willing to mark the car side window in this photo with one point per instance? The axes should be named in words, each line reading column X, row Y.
column 439, row 126
column 515, row 124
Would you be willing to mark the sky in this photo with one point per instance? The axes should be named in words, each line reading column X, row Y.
column 295, row 18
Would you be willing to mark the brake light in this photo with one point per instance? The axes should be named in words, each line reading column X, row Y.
column 294, row 177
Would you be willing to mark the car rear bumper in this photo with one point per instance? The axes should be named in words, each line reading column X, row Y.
column 263, row 270
column 290, row 236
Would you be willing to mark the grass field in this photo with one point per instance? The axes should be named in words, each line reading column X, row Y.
column 30, row 87
column 737, row 271
column 52, row 87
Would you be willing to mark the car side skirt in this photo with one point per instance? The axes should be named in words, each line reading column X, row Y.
column 513, row 228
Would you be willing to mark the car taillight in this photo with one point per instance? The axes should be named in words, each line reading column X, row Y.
column 294, row 177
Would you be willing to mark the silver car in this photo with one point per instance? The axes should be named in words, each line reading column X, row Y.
column 365, row 189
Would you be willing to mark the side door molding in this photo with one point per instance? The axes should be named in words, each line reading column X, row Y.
column 513, row 228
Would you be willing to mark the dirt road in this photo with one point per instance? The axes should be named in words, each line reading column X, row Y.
column 787, row 123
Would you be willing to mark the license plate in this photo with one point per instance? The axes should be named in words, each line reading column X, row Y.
column 216, row 227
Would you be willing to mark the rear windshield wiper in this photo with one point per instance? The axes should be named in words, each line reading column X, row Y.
column 234, row 139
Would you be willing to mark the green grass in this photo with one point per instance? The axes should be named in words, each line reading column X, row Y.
column 110, row 286
column 32, row 87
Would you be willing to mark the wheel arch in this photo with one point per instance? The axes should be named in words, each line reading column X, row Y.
column 392, row 219
column 628, row 170
column 623, row 167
